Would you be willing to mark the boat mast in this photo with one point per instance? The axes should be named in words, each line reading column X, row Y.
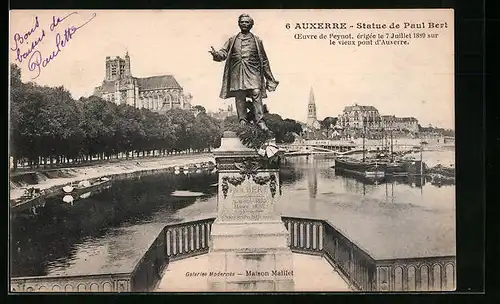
column 421, row 164
column 392, row 157
column 392, row 191
column 364, row 130
column 386, row 142
column 386, row 194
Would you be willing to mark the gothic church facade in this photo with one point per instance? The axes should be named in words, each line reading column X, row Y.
column 156, row 93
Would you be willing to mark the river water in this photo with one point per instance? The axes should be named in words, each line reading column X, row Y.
column 110, row 231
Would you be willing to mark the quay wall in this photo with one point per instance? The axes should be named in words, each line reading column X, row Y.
column 203, row 162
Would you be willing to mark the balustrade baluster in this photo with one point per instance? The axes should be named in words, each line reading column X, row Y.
column 174, row 242
column 315, row 236
column 367, row 275
column 180, row 237
column 361, row 272
column 306, row 235
column 424, row 278
column 398, row 278
column 411, row 278
column 295, row 238
column 436, row 277
column 301, row 235
column 181, row 240
column 355, row 271
column 358, row 273
column 335, row 252
column 168, row 242
column 431, row 277
column 347, row 261
column 191, row 238
column 404, row 279
column 288, row 225
column 344, row 258
column 351, row 260
column 197, row 236
column 366, row 278
column 444, row 283
column 186, row 239
column 203, row 238
column 449, row 276
column 209, row 228
column 200, row 226
column 81, row 287
column 320, row 236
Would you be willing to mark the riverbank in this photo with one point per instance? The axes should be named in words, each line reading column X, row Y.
column 59, row 177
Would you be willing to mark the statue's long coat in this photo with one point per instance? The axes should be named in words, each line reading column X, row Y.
column 266, row 74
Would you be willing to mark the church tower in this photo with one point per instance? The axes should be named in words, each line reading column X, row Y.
column 311, row 110
column 128, row 73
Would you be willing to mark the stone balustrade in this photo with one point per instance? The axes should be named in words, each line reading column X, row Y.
column 309, row 236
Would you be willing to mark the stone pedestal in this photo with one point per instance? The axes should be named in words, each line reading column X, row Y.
column 249, row 245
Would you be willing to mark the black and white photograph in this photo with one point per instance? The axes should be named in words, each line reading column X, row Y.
column 208, row 151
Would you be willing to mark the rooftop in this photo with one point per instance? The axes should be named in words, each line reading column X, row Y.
column 357, row 107
column 158, row 82
column 108, row 86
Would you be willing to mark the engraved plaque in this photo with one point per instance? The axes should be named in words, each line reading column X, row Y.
column 248, row 198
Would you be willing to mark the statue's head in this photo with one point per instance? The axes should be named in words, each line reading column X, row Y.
column 245, row 22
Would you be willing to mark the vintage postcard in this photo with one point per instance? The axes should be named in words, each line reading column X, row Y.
column 232, row 150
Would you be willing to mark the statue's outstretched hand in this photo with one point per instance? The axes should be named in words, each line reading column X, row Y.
column 213, row 52
column 271, row 85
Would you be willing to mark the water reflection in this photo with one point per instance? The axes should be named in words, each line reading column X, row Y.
column 414, row 189
column 312, row 182
column 57, row 233
column 376, row 214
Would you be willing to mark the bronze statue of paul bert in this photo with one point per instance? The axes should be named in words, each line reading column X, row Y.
column 247, row 72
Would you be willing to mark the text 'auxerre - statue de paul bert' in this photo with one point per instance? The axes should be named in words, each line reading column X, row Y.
column 247, row 73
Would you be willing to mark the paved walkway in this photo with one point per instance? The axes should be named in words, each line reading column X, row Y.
column 311, row 273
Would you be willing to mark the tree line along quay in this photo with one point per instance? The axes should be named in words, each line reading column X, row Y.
column 47, row 126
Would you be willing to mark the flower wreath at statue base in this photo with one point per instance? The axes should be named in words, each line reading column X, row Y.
column 252, row 136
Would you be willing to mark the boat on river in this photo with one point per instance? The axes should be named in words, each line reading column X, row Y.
column 366, row 168
column 79, row 188
column 32, row 198
column 185, row 193
column 390, row 165
column 84, row 189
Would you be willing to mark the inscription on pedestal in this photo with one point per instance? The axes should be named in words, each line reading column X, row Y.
column 250, row 208
column 248, row 197
column 256, row 204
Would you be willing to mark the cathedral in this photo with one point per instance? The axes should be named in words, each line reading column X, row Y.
column 156, row 93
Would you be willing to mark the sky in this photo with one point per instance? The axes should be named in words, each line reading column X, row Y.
column 414, row 80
